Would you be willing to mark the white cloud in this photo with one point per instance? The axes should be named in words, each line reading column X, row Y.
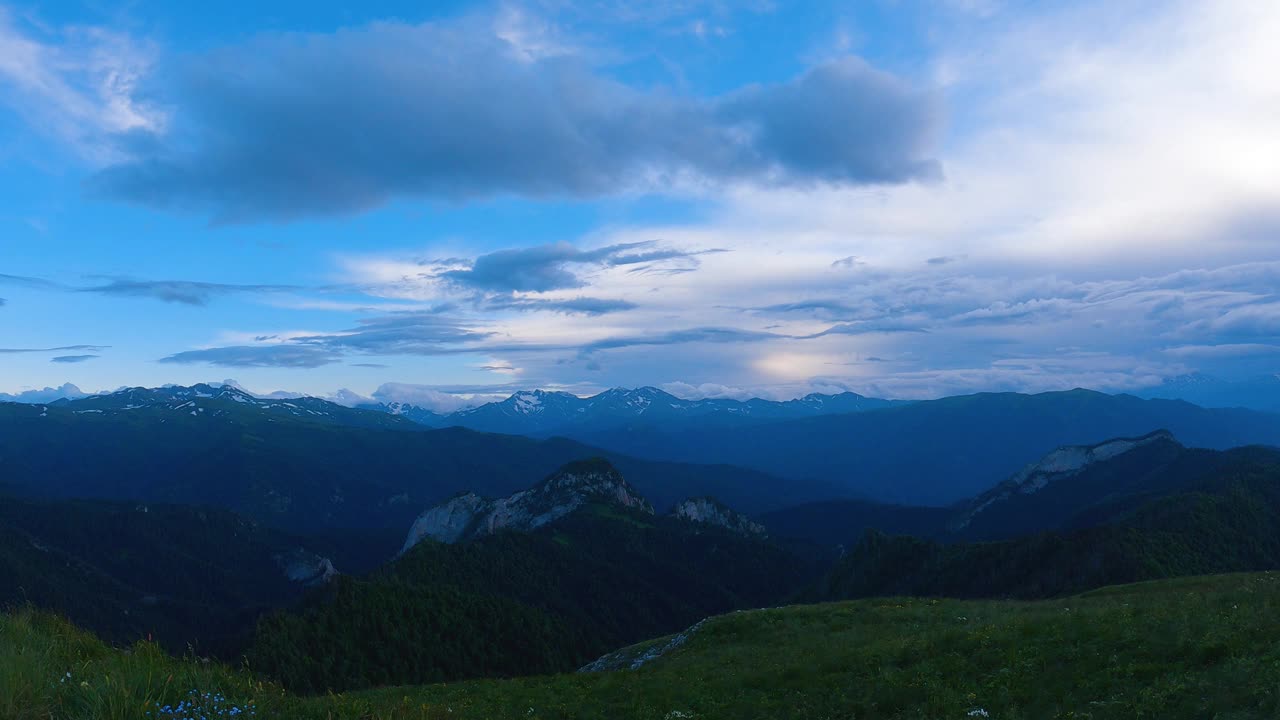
column 79, row 84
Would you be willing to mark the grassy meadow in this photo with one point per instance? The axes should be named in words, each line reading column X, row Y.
column 1204, row 647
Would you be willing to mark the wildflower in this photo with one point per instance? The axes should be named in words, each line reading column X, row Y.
column 979, row 712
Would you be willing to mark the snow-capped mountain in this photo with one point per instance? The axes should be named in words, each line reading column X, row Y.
column 526, row 412
column 227, row 402
column 545, row 412
column 419, row 415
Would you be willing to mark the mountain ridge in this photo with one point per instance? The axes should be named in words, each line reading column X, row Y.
column 545, row 412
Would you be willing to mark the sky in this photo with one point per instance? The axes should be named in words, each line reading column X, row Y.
column 437, row 202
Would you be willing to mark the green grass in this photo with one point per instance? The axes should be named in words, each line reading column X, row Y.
column 1190, row 648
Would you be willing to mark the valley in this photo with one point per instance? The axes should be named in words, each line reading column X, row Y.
column 340, row 550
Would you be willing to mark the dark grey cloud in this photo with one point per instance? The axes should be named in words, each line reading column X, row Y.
column 73, row 358
column 944, row 259
column 187, row 292
column 829, row 125
column 289, row 356
column 292, row 125
column 543, row 268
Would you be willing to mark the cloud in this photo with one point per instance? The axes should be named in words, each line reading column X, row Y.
column 1252, row 320
column 186, row 292
column 399, row 334
column 30, row 282
column 73, row 358
column 90, row 348
column 880, row 325
column 1229, row 350
column 78, row 84
column 44, row 395
column 286, row 126
column 679, row 337
column 825, row 308
column 708, row 391
column 570, row 306
column 543, row 268
column 437, row 400
column 245, row 356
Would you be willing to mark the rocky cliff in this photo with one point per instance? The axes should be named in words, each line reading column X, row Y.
column 1063, row 462
column 710, row 511
column 470, row 516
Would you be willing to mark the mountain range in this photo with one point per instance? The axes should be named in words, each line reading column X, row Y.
column 937, row 452
column 303, row 466
column 341, row 548
column 542, row 412
column 310, row 462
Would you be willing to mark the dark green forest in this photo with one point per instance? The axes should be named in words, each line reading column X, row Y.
column 515, row 603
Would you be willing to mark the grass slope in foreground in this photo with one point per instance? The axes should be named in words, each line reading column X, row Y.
column 1189, row 648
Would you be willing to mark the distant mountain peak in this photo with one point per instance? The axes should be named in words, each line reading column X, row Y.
column 469, row 516
column 709, row 511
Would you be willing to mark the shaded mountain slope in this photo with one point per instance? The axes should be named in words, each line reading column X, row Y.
column 303, row 475
column 184, row 576
column 941, row 451
column 1191, row 512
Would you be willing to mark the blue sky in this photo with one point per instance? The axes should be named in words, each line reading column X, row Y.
column 897, row 197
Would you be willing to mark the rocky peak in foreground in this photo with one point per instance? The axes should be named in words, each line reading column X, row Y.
column 710, row 511
column 469, row 516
